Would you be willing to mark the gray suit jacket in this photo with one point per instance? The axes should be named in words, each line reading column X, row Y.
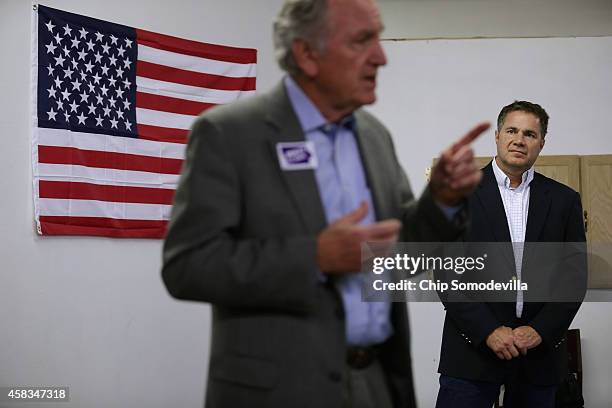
column 243, row 238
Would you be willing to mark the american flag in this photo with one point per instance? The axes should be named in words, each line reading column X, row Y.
column 113, row 105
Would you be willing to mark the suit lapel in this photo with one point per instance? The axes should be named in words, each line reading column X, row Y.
column 539, row 204
column 301, row 184
column 369, row 152
column 490, row 200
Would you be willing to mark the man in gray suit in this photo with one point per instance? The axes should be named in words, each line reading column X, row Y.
column 277, row 194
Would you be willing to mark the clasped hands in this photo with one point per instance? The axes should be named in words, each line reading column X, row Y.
column 453, row 178
column 506, row 343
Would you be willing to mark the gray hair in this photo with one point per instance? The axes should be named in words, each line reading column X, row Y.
column 299, row 19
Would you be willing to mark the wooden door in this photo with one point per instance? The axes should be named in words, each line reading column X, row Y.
column 596, row 182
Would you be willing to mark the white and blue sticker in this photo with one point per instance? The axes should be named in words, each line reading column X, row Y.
column 297, row 155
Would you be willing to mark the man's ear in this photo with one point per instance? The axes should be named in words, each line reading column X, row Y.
column 496, row 136
column 306, row 57
column 542, row 143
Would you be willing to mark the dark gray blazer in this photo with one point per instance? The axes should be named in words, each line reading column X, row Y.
column 243, row 238
column 555, row 215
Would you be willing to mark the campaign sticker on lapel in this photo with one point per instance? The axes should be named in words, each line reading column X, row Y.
column 297, row 155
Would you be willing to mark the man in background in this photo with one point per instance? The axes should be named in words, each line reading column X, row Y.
column 277, row 194
column 519, row 344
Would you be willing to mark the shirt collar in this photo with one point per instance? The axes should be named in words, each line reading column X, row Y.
column 504, row 181
column 308, row 114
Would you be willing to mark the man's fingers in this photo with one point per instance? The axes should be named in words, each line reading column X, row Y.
column 507, row 354
column 513, row 350
column 470, row 136
column 383, row 230
column 354, row 216
column 471, row 180
column 500, row 356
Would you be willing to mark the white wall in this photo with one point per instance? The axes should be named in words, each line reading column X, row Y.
column 92, row 313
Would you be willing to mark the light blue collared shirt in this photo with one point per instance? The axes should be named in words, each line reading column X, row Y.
column 342, row 187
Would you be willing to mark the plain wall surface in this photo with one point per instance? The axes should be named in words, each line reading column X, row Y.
column 92, row 313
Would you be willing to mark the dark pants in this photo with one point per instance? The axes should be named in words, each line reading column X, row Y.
column 459, row 393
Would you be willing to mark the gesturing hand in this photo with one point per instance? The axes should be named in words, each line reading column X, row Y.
column 456, row 174
column 339, row 245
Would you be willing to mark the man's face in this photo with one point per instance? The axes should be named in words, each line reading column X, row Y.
column 519, row 141
column 346, row 69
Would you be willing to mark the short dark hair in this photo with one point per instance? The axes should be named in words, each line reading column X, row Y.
column 525, row 106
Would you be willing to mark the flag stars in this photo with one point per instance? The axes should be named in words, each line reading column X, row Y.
column 104, row 90
column 114, row 123
column 127, row 83
column 82, row 55
column 128, row 43
column 60, row 60
column 52, row 92
column 75, row 42
column 106, row 111
column 99, row 99
column 67, row 30
column 112, row 101
column 96, row 78
column 58, row 82
column 50, row 48
column 90, row 45
column 66, row 51
column 68, row 73
column 65, row 94
column 92, row 87
column 75, row 64
column 83, row 33
column 92, row 109
column 126, row 104
column 73, row 106
column 67, row 116
column 128, row 125
column 98, row 57
column 83, row 76
column 76, row 85
column 88, row 66
column 99, row 36
column 84, row 96
column 50, row 69
column 119, row 113
column 112, row 81
column 52, row 114
column 113, row 39
column 121, row 51
column 119, row 72
column 58, row 38
column 120, row 93
column 81, row 118
column 105, row 48
column 99, row 120
column 127, row 63
column 113, row 60
column 104, row 69
column 50, row 26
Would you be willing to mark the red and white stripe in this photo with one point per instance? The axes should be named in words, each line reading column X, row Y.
column 93, row 184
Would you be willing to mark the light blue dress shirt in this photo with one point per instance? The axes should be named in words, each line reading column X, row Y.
column 342, row 187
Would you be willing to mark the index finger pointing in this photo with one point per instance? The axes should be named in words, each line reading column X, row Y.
column 471, row 135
